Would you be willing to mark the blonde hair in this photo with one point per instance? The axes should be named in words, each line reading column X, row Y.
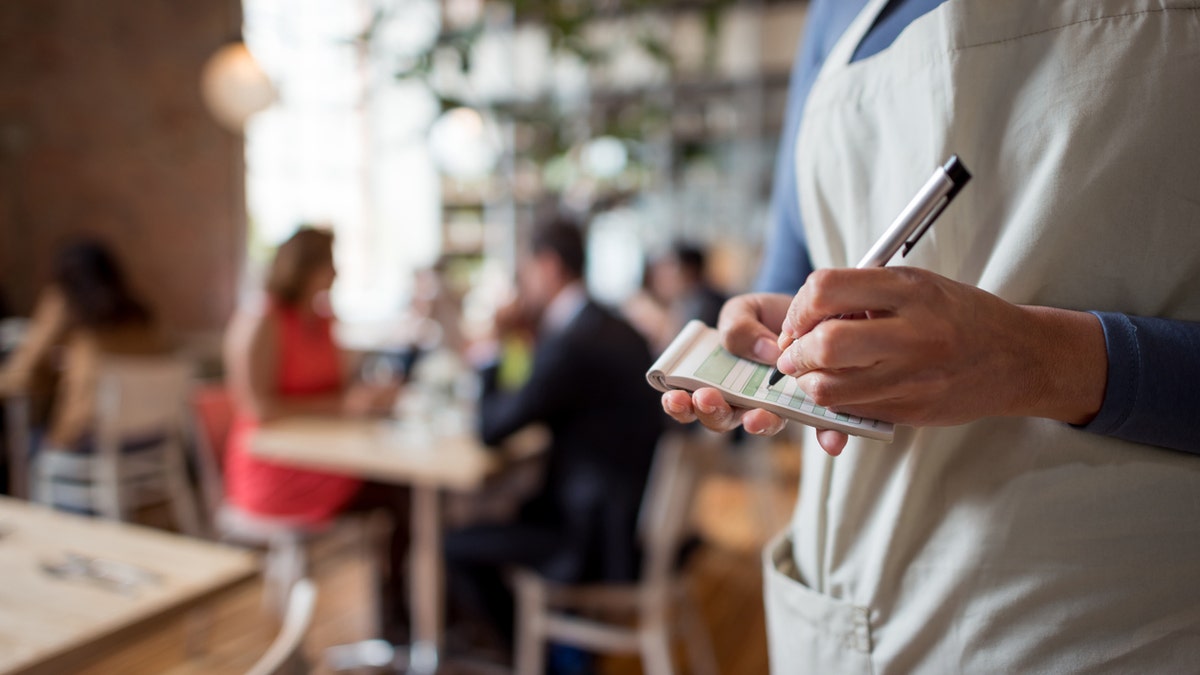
column 296, row 260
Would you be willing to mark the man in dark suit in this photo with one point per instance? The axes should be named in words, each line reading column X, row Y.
column 587, row 385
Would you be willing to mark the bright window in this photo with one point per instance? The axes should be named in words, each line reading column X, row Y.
column 345, row 144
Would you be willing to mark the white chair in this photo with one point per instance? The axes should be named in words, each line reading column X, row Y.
column 284, row 539
column 138, row 400
column 284, row 656
column 660, row 602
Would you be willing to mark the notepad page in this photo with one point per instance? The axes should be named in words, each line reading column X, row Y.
column 748, row 378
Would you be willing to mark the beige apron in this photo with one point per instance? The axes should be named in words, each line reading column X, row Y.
column 1006, row 545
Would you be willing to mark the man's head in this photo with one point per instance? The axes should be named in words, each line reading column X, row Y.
column 556, row 259
column 678, row 272
column 691, row 260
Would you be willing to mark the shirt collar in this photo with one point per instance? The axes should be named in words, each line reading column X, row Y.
column 563, row 309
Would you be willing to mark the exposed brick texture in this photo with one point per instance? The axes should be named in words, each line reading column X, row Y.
column 102, row 131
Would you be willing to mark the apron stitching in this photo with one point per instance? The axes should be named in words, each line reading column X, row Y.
column 1076, row 23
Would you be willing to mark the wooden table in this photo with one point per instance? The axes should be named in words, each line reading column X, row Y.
column 54, row 623
column 407, row 454
column 382, row 450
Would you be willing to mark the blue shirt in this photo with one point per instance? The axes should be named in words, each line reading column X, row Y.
column 1153, row 390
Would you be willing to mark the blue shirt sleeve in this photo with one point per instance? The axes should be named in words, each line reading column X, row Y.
column 785, row 255
column 786, row 263
column 1152, row 394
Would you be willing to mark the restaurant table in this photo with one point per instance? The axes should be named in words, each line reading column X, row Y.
column 72, row 585
column 417, row 455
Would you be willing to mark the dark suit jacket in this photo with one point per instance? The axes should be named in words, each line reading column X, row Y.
column 588, row 385
column 703, row 303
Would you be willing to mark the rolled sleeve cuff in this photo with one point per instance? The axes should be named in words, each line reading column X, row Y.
column 1151, row 396
column 1124, row 366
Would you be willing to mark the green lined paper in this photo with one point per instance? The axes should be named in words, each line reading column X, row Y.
column 717, row 366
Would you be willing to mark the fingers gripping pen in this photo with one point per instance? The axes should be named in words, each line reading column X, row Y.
column 912, row 223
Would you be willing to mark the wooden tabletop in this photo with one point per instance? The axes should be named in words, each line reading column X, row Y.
column 71, row 584
column 388, row 451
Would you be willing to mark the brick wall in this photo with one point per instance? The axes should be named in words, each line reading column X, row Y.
column 102, row 131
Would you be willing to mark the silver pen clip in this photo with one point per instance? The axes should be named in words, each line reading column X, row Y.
column 925, row 225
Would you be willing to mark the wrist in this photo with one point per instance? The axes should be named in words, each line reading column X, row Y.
column 1068, row 373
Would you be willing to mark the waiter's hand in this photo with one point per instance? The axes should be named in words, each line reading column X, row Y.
column 749, row 327
column 937, row 352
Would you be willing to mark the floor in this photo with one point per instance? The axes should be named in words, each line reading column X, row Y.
column 734, row 514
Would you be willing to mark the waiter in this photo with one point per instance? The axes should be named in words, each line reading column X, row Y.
column 1039, row 509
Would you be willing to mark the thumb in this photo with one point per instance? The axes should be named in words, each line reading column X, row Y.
column 832, row 442
column 744, row 335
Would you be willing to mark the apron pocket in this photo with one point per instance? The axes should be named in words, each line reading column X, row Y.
column 809, row 632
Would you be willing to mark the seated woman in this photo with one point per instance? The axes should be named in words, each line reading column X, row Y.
column 281, row 360
column 87, row 314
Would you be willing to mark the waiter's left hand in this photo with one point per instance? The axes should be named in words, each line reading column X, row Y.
column 937, row 352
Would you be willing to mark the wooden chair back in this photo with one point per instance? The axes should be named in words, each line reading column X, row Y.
column 139, row 398
column 665, row 516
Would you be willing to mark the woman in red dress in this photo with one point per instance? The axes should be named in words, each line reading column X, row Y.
column 281, row 359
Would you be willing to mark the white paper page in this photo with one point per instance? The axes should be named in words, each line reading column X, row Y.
column 709, row 362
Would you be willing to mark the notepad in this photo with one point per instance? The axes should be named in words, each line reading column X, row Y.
column 696, row 359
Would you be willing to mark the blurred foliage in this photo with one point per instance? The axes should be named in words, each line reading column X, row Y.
column 554, row 133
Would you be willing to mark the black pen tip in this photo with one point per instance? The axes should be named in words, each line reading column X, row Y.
column 957, row 171
column 774, row 378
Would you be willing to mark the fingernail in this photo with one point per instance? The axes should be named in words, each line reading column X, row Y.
column 785, row 330
column 705, row 408
column 672, row 406
column 786, row 364
column 765, row 351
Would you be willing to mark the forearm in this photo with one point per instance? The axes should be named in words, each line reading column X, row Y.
column 324, row 404
column 553, row 384
column 1111, row 374
column 499, row 415
column 264, row 408
column 1065, row 377
column 46, row 328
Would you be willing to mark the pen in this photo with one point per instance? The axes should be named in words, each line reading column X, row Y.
column 913, row 221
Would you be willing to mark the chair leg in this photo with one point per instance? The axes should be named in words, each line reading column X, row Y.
column 701, row 659
column 39, row 481
column 182, row 497
column 106, row 496
column 531, row 614
column 285, row 565
column 656, row 649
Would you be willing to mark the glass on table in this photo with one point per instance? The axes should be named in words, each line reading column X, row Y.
column 380, row 369
column 438, row 401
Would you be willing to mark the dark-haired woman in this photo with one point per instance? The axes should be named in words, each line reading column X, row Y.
column 89, row 312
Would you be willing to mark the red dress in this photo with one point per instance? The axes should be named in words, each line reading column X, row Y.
column 309, row 365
